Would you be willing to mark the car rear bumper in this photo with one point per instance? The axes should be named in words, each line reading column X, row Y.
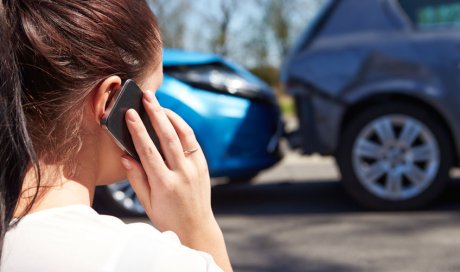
column 319, row 124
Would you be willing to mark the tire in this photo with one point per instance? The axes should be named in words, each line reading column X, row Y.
column 119, row 200
column 381, row 169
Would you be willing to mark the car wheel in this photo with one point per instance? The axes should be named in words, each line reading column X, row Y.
column 395, row 156
column 121, row 200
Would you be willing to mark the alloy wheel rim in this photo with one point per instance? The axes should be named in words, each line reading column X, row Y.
column 124, row 195
column 396, row 157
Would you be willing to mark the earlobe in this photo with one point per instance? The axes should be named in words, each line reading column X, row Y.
column 103, row 94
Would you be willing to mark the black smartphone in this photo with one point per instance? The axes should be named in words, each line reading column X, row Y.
column 128, row 97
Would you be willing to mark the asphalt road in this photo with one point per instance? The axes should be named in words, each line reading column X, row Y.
column 296, row 217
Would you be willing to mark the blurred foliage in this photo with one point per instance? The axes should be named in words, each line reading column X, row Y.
column 253, row 33
column 277, row 16
column 222, row 26
column 269, row 74
column 287, row 105
column 170, row 16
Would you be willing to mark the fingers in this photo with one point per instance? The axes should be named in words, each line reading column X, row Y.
column 169, row 140
column 148, row 153
column 183, row 130
column 138, row 179
column 187, row 138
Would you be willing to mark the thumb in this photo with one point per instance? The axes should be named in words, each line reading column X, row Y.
column 138, row 180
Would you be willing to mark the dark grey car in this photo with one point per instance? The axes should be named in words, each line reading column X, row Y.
column 377, row 84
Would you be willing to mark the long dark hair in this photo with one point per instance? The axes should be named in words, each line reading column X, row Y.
column 52, row 54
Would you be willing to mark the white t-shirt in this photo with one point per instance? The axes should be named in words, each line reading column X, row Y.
column 77, row 238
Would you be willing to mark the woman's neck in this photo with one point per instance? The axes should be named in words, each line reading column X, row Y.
column 97, row 163
column 56, row 189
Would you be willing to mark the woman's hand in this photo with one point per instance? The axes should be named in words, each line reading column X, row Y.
column 175, row 190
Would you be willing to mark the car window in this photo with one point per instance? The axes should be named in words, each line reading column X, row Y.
column 433, row 14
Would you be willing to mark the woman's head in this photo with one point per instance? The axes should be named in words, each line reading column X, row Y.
column 60, row 55
column 64, row 49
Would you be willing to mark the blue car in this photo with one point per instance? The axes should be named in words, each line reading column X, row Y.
column 235, row 116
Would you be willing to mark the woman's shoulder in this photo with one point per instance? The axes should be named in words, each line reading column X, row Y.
column 81, row 240
column 78, row 217
column 77, row 222
column 72, row 234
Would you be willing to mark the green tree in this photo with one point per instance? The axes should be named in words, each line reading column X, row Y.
column 286, row 19
column 221, row 23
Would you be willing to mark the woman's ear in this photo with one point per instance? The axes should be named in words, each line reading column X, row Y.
column 103, row 94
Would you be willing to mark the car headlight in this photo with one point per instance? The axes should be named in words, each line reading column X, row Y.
column 217, row 77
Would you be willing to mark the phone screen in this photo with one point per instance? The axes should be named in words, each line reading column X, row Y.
column 129, row 97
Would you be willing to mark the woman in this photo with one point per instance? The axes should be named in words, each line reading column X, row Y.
column 61, row 62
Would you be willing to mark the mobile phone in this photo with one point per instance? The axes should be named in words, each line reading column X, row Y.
column 128, row 97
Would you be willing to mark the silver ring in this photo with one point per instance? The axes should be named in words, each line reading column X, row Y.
column 188, row 152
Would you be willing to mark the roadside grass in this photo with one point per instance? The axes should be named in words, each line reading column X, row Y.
column 287, row 105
